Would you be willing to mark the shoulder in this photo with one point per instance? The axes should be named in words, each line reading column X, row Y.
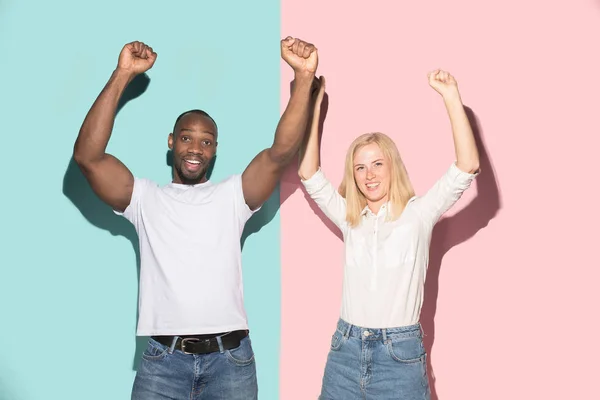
column 228, row 185
column 231, row 181
column 145, row 182
column 143, row 185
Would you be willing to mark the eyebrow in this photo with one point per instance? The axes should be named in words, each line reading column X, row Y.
column 191, row 130
column 379, row 159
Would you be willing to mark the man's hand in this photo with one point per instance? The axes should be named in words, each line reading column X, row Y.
column 443, row 83
column 300, row 55
column 136, row 58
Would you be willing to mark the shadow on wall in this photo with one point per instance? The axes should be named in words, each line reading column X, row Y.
column 8, row 392
column 77, row 189
column 455, row 230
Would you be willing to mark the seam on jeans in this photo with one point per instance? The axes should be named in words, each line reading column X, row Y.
column 241, row 363
column 193, row 389
column 159, row 356
column 340, row 342
column 400, row 360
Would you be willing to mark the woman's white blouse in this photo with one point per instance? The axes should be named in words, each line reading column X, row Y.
column 386, row 261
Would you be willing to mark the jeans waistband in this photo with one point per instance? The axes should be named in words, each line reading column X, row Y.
column 349, row 330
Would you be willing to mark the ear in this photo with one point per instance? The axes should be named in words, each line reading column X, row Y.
column 170, row 142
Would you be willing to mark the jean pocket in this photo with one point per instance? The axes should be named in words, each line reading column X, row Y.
column 337, row 340
column 154, row 351
column 243, row 354
column 406, row 350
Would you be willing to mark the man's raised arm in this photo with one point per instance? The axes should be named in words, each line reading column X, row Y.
column 262, row 174
column 109, row 178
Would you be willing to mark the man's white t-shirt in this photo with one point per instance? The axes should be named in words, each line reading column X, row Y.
column 190, row 253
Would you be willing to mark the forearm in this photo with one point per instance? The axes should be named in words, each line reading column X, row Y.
column 467, row 157
column 309, row 158
column 293, row 123
column 97, row 127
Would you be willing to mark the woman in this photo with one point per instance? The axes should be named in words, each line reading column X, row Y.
column 377, row 349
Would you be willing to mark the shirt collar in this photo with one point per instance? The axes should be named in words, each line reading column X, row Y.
column 367, row 210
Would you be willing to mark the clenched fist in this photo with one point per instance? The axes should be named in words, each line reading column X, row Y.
column 300, row 55
column 136, row 57
column 443, row 82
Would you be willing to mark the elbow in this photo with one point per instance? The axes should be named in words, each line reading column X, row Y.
column 79, row 157
column 84, row 157
column 473, row 167
column 83, row 160
column 280, row 157
column 303, row 175
column 470, row 166
column 306, row 172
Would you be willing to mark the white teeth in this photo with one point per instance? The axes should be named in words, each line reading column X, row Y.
column 372, row 185
column 193, row 161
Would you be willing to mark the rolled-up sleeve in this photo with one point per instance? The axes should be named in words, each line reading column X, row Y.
column 444, row 193
column 327, row 198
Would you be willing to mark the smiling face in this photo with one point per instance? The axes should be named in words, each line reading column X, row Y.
column 194, row 144
column 372, row 174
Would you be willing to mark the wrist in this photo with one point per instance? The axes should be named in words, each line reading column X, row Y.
column 304, row 77
column 452, row 97
column 124, row 73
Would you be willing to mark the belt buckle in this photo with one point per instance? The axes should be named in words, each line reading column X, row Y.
column 183, row 341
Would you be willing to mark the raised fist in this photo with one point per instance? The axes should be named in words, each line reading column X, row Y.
column 301, row 56
column 442, row 82
column 136, row 57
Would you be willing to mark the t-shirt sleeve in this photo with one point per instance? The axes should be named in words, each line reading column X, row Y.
column 444, row 193
column 132, row 213
column 242, row 209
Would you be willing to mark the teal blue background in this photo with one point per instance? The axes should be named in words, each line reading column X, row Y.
column 68, row 286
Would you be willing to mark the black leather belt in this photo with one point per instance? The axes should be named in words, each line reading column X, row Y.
column 203, row 344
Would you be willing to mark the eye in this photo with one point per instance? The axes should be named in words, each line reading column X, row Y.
column 185, row 138
column 360, row 168
column 378, row 164
column 207, row 142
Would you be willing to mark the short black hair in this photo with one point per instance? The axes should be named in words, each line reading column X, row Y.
column 199, row 112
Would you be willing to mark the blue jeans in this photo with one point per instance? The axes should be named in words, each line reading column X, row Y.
column 379, row 364
column 167, row 374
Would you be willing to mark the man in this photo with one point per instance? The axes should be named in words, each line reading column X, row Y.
column 191, row 298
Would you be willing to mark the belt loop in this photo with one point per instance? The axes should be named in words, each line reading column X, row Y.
column 173, row 343
column 348, row 329
column 220, row 342
column 384, row 333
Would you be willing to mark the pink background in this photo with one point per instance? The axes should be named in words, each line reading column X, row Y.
column 513, row 312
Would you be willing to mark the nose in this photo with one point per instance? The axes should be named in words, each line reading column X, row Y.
column 370, row 174
column 196, row 148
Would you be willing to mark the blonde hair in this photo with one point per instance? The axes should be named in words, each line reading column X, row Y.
column 400, row 191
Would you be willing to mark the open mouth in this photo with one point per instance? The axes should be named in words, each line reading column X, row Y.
column 372, row 186
column 192, row 165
